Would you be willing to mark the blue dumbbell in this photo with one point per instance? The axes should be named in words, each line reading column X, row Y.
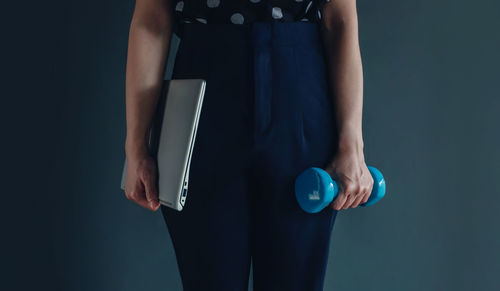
column 315, row 189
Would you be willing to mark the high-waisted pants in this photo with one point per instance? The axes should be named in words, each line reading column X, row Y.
column 267, row 115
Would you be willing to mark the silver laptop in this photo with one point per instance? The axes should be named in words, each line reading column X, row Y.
column 172, row 138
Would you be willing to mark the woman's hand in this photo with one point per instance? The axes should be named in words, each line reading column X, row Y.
column 355, row 182
column 140, row 185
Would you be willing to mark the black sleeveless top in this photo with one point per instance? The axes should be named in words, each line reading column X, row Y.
column 247, row 11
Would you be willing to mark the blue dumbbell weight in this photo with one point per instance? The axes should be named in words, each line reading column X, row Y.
column 315, row 189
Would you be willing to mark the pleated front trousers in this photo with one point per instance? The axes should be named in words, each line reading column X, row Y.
column 267, row 116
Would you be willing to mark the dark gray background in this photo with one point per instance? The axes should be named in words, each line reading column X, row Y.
column 430, row 124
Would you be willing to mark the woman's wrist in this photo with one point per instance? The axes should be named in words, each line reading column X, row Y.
column 351, row 143
column 136, row 149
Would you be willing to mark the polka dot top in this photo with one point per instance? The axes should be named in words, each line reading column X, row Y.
column 247, row 11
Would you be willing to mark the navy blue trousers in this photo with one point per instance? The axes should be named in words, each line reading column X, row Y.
column 267, row 116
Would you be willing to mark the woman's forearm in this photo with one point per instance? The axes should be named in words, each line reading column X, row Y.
column 149, row 40
column 340, row 36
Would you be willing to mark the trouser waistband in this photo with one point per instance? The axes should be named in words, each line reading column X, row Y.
column 257, row 33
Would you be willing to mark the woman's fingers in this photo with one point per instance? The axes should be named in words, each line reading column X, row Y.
column 349, row 192
column 369, row 190
column 142, row 201
column 149, row 181
column 141, row 183
column 138, row 195
column 351, row 197
column 349, row 201
column 343, row 198
column 358, row 200
column 365, row 192
column 339, row 201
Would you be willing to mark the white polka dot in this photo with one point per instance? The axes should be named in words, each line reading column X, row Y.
column 299, row 0
column 304, row 19
column 213, row 3
column 202, row 20
column 237, row 18
column 308, row 5
column 187, row 21
column 255, row 1
column 319, row 14
column 276, row 12
column 179, row 6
